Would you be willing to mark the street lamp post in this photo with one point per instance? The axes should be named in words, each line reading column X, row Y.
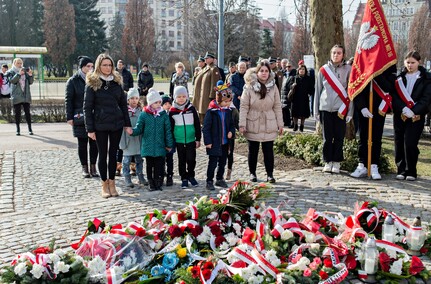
column 221, row 36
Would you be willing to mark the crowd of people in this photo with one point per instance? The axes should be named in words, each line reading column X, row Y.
column 120, row 125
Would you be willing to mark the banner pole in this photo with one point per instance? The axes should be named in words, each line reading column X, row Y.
column 370, row 130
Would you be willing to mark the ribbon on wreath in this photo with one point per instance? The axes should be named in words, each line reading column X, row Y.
column 342, row 269
column 40, row 258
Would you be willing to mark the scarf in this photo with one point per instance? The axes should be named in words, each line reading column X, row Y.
column 152, row 111
column 107, row 78
column 21, row 79
column 182, row 107
column 132, row 110
column 214, row 105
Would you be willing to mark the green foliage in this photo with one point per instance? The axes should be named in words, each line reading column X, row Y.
column 309, row 147
column 49, row 111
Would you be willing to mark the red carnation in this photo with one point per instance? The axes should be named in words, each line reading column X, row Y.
column 196, row 231
column 195, row 271
column 164, row 212
column 327, row 263
column 214, row 201
column 225, row 216
column 208, row 265
column 175, row 231
column 416, row 265
column 215, row 228
column 44, row 250
column 181, row 216
column 219, row 240
column 283, row 259
column 323, row 275
column 257, row 216
column 249, row 235
column 206, row 273
column 385, row 261
column 350, row 262
column 239, row 264
column 140, row 232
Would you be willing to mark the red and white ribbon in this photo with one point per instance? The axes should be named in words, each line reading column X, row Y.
column 338, row 88
column 386, row 99
column 264, row 264
column 403, row 93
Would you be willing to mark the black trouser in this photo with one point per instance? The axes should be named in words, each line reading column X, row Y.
column 155, row 167
column 286, row 115
column 17, row 109
column 102, row 138
column 83, row 153
column 407, row 135
column 218, row 162
column 230, row 154
column 268, row 156
column 169, row 169
column 186, row 160
column 334, row 130
column 378, row 125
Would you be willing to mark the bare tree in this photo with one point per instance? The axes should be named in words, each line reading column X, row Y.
column 139, row 32
column 59, row 30
column 420, row 32
column 301, row 43
column 326, row 28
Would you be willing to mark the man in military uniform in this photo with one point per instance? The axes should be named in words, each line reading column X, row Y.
column 279, row 75
column 199, row 68
column 205, row 82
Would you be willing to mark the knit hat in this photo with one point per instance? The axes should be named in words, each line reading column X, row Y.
column 223, row 92
column 180, row 90
column 153, row 96
column 84, row 60
column 166, row 99
column 132, row 93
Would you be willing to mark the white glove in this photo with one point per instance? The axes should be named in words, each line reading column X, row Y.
column 408, row 112
column 348, row 119
column 366, row 113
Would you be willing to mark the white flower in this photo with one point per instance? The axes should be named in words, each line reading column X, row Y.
column 206, row 230
column 309, row 237
column 300, row 265
column 231, row 258
column 314, row 248
column 37, row 270
column 359, row 254
column 79, row 258
column 231, row 239
column 54, row 258
column 213, row 216
column 127, row 261
column 96, row 266
column 61, row 267
column 174, row 218
column 224, row 246
column 237, row 228
column 118, row 270
column 271, row 256
column 286, row 235
column 237, row 217
column 396, row 267
column 20, row 269
column 391, row 253
column 60, row 252
column 253, row 222
column 203, row 238
column 256, row 279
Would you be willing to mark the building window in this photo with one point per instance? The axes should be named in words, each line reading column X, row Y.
column 163, row 13
column 110, row 11
column 171, row 23
column 163, row 33
column 171, row 43
column 179, row 25
column 163, row 23
column 171, row 13
column 171, row 33
column 179, row 44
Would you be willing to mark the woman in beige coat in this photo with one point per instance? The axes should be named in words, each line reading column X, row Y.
column 260, row 118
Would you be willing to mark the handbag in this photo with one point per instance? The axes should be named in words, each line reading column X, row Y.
column 291, row 93
column 78, row 117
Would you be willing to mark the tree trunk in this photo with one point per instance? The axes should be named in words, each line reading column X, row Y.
column 326, row 28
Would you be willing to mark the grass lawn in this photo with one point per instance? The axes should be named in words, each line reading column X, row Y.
column 424, row 163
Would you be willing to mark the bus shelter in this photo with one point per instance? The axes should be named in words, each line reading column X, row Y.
column 35, row 53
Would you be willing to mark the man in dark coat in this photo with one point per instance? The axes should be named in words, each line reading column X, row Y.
column 127, row 76
column 145, row 80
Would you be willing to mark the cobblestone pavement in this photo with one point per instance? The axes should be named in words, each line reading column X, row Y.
column 42, row 195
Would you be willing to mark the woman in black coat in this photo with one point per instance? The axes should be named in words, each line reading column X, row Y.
column 304, row 88
column 410, row 104
column 74, row 101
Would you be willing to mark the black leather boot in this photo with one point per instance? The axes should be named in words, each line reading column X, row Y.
column 85, row 173
column 169, row 180
column 159, row 183
column 152, row 184
column 93, row 171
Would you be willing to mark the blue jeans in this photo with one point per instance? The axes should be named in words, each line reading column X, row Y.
column 126, row 164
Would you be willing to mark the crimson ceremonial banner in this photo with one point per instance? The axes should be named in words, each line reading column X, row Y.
column 375, row 50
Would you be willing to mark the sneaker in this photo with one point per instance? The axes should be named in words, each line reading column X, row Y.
column 270, row 179
column 184, row 184
column 375, row 172
column 400, row 177
column 327, row 168
column 361, row 171
column 253, row 178
column 410, row 178
column 193, row 182
column 30, row 132
column 221, row 183
column 210, row 185
column 335, row 168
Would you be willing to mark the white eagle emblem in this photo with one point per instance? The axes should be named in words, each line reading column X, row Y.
column 367, row 39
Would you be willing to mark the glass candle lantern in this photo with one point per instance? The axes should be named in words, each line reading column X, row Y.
column 371, row 260
column 389, row 230
column 415, row 237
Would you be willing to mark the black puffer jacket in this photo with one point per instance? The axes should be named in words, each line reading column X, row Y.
column 74, row 102
column 145, row 82
column 106, row 108
column 421, row 93
column 127, row 79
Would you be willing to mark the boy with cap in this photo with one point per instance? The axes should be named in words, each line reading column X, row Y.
column 154, row 126
column 187, row 134
column 169, row 160
column 131, row 146
column 218, row 128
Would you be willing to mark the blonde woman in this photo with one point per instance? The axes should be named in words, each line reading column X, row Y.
column 106, row 114
column 21, row 78
column 179, row 78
